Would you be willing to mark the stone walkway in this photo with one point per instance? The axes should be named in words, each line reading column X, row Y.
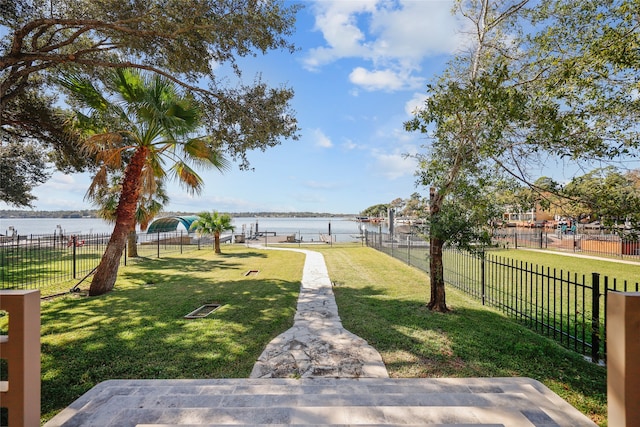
column 332, row 378
column 318, row 345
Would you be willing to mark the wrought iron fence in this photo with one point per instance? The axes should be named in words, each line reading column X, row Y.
column 42, row 261
column 567, row 307
column 594, row 243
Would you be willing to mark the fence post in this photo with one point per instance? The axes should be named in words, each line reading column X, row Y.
column 595, row 317
column 392, row 240
column 20, row 347
column 482, row 279
column 180, row 241
column 125, row 253
column 515, row 240
column 623, row 371
column 73, row 243
column 540, row 238
column 158, row 246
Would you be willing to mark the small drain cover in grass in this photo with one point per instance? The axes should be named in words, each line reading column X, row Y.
column 203, row 311
column 251, row 272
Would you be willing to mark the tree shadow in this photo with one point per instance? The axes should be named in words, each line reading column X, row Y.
column 139, row 331
column 467, row 342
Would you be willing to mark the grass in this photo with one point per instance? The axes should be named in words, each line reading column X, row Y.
column 138, row 330
column 383, row 300
column 56, row 268
column 617, row 271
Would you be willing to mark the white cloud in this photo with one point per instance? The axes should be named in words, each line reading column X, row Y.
column 67, row 182
column 395, row 165
column 321, row 140
column 337, row 20
column 394, row 36
column 349, row 145
column 415, row 103
column 416, row 30
column 383, row 79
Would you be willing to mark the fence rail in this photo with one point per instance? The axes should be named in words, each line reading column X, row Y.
column 565, row 306
column 611, row 245
column 46, row 261
column 54, row 264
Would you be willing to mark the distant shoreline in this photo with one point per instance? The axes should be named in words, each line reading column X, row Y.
column 6, row 214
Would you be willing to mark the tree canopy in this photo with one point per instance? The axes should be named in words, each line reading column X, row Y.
column 22, row 168
column 185, row 41
column 212, row 223
column 146, row 126
column 539, row 79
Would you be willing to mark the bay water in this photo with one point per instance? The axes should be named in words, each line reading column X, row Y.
column 307, row 226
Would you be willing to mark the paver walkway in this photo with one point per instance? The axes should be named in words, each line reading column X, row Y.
column 329, row 365
column 318, row 345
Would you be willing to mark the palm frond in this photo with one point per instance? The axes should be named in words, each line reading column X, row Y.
column 130, row 84
column 202, row 151
column 187, row 177
column 111, row 158
column 99, row 181
column 83, row 90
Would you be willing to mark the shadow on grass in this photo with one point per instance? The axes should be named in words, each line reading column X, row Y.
column 138, row 330
column 468, row 342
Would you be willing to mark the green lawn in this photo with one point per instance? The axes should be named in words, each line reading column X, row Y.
column 383, row 300
column 138, row 330
column 613, row 269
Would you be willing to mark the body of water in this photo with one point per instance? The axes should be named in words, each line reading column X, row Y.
column 306, row 227
column 29, row 226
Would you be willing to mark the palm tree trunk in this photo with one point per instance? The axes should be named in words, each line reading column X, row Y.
column 132, row 245
column 107, row 271
column 216, row 239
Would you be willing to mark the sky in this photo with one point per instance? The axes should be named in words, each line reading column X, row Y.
column 361, row 68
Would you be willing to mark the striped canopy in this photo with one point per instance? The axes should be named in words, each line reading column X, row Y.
column 170, row 223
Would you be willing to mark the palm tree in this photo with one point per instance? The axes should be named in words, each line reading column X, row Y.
column 149, row 206
column 146, row 125
column 212, row 223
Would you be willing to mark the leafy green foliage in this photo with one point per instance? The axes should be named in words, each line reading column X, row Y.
column 143, row 127
column 378, row 210
column 562, row 87
column 23, row 167
column 586, row 55
column 212, row 223
column 185, row 41
column 608, row 196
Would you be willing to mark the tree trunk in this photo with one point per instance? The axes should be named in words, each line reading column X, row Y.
column 436, row 276
column 436, row 268
column 107, row 271
column 132, row 244
column 216, row 239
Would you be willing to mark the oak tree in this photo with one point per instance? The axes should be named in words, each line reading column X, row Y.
column 185, row 41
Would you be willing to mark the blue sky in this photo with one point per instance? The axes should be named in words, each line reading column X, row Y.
column 361, row 68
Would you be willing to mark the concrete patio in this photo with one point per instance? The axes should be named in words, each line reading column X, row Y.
column 318, row 373
column 509, row 402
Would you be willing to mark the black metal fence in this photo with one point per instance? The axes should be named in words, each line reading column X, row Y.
column 43, row 261
column 592, row 242
column 565, row 306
